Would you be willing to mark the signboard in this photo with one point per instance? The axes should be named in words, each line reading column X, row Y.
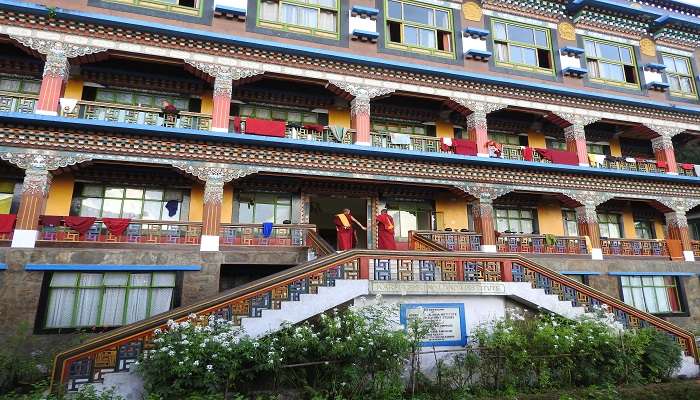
column 448, row 328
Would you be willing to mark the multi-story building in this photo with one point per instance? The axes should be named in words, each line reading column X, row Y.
column 144, row 143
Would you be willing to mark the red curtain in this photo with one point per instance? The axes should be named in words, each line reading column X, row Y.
column 7, row 222
column 265, row 127
column 464, row 147
column 116, row 226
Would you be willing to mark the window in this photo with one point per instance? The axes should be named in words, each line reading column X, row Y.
column 570, row 222
column 90, row 299
column 410, row 216
column 644, row 229
column 147, row 203
column 420, row 28
column 611, row 63
column 680, row 75
column 19, row 85
column 507, row 138
column 188, row 7
column 398, row 127
column 513, row 220
column 256, row 208
column 141, row 99
column 654, row 294
column 598, row 148
column 609, row 225
column 313, row 17
column 522, row 46
column 279, row 114
column 555, row 144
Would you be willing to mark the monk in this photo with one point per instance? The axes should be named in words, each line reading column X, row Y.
column 344, row 229
column 385, row 231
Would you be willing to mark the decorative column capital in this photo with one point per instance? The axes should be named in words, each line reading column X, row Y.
column 36, row 181
column 46, row 162
column 224, row 75
column 679, row 204
column 587, row 214
column 479, row 109
column 362, row 94
column 665, row 131
column 588, row 198
column 57, row 53
column 485, row 194
column 214, row 178
column 577, row 129
column 663, row 142
column 676, row 219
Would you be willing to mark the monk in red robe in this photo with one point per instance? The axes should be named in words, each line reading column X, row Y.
column 344, row 229
column 385, row 231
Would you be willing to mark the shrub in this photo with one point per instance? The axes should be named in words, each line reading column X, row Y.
column 22, row 362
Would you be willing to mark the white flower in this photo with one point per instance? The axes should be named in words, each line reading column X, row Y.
column 196, row 363
column 157, row 331
column 180, row 363
column 210, row 367
column 192, row 316
column 171, row 353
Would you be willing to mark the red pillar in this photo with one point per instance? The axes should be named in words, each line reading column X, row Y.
column 663, row 151
column 477, row 127
column 52, row 84
column 211, row 213
column 359, row 120
column 222, row 103
column 677, row 224
column 35, row 189
column 575, row 135
column 482, row 212
column 587, row 218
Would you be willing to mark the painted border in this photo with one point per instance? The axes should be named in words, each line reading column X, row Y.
column 109, row 267
column 462, row 328
column 205, row 17
column 650, row 273
column 579, row 273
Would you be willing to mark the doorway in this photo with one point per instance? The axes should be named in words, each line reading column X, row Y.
column 323, row 209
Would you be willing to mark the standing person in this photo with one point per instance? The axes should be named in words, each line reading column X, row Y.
column 385, row 231
column 344, row 229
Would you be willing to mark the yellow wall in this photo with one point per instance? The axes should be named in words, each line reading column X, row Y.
column 454, row 211
column 74, row 90
column 659, row 229
column 628, row 223
column 207, row 103
column 197, row 203
column 339, row 118
column 615, row 149
column 549, row 218
column 60, row 195
column 536, row 139
column 444, row 129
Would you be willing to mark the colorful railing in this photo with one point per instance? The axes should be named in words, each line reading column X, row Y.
column 686, row 172
column 452, row 241
column 117, row 350
column 418, row 142
column 645, row 166
column 696, row 247
column 144, row 232
column 14, row 102
column 299, row 132
column 513, row 152
column 541, row 244
column 137, row 115
column 255, row 235
column 634, row 247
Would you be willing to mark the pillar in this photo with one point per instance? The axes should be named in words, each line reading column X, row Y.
column 663, row 151
column 587, row 218
column 482, row 212
column 211, row 214
column 53, row 83
column 359, row 120
column 35, row 189
column 677, row 224
column 478, row 132
column 222, row 102
column 575, row 136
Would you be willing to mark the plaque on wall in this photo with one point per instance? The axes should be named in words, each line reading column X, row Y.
column 448, row 326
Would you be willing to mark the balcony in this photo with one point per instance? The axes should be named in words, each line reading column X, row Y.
column 512, row 152
column 417, row 142
column 453, row 241
column 541, row 244
column 15, row 102
column 137, row 115
column 625, row 165
column 634, row 247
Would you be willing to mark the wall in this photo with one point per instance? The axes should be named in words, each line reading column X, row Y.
column 60, row 195
column 454, row 211
column 74, row 89
column 549, row 217
column 207, row 103
column 615, row 149
column 339, row 117
column 197, row 203
column 536, row 140
column 444, row 129
column 628, row 223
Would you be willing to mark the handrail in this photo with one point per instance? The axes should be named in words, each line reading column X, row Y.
column 354, row 264
column 317, row 244
column 634, row 247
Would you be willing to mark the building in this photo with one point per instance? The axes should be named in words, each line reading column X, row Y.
column 144, row 143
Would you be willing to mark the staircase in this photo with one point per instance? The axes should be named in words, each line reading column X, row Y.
column 336, row 278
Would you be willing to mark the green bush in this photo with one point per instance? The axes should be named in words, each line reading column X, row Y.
column 22, row 362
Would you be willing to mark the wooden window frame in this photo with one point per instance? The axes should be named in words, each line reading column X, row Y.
column 512, row 42
column 403, row 23
column 300, row 29
column 690, row 75
column 622, row 64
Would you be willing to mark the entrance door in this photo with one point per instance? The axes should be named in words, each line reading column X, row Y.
column 323, row 209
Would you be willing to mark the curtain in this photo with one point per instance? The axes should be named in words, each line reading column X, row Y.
column 502, row 52
column 114, row 298
column 268, row 11
column 161, row 300
column 137, row 302
column 593, row 70
column 61, row 300
column 326, row 21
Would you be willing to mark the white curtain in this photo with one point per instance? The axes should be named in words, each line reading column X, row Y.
column 593, row 70
column 137, row 303
column 326, row 21
column 61, row 300
column 268, row 11
column 113, row 298
column 88, row 299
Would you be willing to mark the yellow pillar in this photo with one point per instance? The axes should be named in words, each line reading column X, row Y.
column 196, row 202
column 444, row 129
column 536, row 140
column 207, row 103
column 615, row 149
column 628, row 223
column 339, row 118
column 60, row 195
column 227, row 204
column 74, row 89
column 659, row 229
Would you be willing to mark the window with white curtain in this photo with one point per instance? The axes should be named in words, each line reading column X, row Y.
column 513, row 220
column 611, row 63
column 317, row 17
column 654, row 294
column 679, row 73
column 96, row 299
column 610, row 225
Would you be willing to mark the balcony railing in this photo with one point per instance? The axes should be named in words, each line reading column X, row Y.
column 696, row 247
column 452, row 241
column 137, row 115
column 541, row 244
column 255, row 235
column 641, row 166
column 418, row 142
column 634, row 247
column 512, row 152
column 298, row 131
column 143, row 232
column 15, row 102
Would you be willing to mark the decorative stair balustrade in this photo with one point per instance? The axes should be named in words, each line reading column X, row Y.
column 116, row 350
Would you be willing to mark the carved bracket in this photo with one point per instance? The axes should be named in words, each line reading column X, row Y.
column 480, row 109
column 57, row 53
column 485, row 193
column 224, row 75
column 48, row 162
column 360, row 105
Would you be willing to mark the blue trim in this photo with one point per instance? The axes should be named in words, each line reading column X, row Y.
column 109, row 267
column 474, row 53
column 476, row 32
column 360, row 10
column 365, row 34
column 576, row 5
column 654, row 67
column 3, row 267
column 193, row 134
column 658, row 85
column 403, row 308
column 579, row 273
column 647, row 273
column 572, row 51
column 574, row 71
column 341, row 56
column 231, row 10
column 675, row 19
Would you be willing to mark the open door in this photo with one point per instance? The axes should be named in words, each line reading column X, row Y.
column 322, row 211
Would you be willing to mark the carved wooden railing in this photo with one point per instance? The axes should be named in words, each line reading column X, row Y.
column 686, row 172
column 16, row 102
column 634, row 247
column 452, row 241
column 137, row 115
column 254, row 235
column 512, row 152
column 646, row 166
column 696, row 247
column 118, row 349
column 418, row 142
column 541, row 244
column 144, row 232
column 297, row 131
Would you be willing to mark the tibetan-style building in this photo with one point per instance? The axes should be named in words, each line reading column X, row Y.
column 156, row 153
